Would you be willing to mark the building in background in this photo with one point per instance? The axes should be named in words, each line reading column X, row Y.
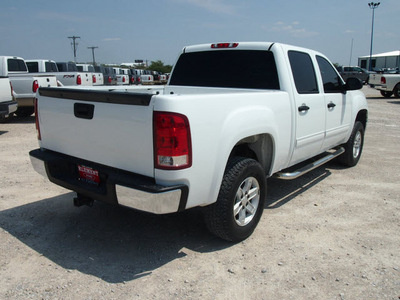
column 388, row 60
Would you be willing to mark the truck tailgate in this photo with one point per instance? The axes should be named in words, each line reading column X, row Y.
column 110, row 128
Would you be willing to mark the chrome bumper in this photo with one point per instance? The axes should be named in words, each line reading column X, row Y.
column 123, row 188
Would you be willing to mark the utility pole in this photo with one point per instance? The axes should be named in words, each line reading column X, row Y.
column 372, row 6
column 93, row 47
column 75, row 44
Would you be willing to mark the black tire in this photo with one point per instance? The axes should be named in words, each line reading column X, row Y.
column 241, row 175
column 353, row 147
column 24, row 112
column 396, row 91
column 386, row 94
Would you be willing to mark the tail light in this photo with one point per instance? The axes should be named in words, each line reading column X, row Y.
column 172, row 141
column 94, row 78
column 123, row 78
column 12, row 90
column 109, row 79
column 35, row 86
column 79, row 80
column 133, row 80
column 383, row 80
column 138, row 79
column 37, row 119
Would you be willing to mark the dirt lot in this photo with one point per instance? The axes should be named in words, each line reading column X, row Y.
column 332, row 234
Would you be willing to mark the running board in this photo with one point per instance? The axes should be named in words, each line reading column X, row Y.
column 309, row 167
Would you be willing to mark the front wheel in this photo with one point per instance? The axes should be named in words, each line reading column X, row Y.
column 353, row 147
column 240, row 202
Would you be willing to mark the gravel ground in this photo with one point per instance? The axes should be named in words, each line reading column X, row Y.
column 331, row 234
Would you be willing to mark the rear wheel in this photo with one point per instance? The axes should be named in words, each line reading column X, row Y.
column 396, row 90
column 353, row 147
column 25, row 111
column 386, row 94
column 240, row 202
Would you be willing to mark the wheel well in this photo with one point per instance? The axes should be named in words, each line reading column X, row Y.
column 362, row 117
column 258, row 147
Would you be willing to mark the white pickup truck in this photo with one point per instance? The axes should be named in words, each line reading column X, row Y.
column 24, row 84
column 122, row 78
column 7, row 103
column 98, row 78
column 387, row 84
column 209, row 138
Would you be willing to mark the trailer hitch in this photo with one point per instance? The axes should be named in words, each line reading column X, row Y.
column 81, row 200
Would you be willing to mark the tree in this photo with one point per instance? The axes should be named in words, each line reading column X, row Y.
column 160, row 67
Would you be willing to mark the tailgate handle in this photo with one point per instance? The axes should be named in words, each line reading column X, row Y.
column 83, row 111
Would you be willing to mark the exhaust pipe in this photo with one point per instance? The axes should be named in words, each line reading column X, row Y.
column 81, row 200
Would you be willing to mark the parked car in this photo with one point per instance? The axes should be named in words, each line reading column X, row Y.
column 24, row 85
column 108, row 74
column 357, row 72
column 72, row 76
column 7, row 103
column 97, row 77
column 202, row 140
column 386, row 84
column 122, row 79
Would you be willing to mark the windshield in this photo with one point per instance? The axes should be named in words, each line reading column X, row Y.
column 250, row 69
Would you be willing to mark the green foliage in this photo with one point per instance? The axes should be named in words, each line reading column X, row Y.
column 160, row 67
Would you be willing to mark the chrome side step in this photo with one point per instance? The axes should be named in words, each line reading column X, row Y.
column 309, row 167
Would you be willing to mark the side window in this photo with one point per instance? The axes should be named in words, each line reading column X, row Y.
column 303, row 72
column 331, row 80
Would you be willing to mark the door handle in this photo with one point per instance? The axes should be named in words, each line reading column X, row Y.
column 331, row 105
column 303, row 108
column 83, row 111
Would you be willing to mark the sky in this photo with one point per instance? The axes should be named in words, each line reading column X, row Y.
column 128, row 30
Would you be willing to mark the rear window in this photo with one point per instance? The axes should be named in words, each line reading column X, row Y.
column 33, row 67
column 249, row 69
column 50, row 66
column 16, row 65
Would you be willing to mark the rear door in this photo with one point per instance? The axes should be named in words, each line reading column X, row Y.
column 310, row 107
column 337, row 106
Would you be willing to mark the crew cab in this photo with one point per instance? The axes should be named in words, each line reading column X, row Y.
column 386, row 84
column 24, row 84
column 208, row 138
column 7, row 103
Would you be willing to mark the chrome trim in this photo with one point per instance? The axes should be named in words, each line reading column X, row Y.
column 309, row 167
column 157, row 203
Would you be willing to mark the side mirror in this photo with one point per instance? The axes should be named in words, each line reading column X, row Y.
column 353, row 83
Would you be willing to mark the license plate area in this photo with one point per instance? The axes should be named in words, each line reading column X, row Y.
column 88, row 175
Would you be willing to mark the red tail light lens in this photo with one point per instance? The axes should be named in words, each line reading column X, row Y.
column 224, row 45
column 78, row 80
column 39, row 136
column 123, row 78
column 172, row 141
column 35, row 86
column 383, row 80
column 109, row 79
column 94, row 78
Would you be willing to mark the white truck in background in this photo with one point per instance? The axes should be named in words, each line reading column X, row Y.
column 122, row 78
column 97, row 77
column 386, row 84
column 209, row 138
column 71, row 75
column 66, row 77
column 24, row 84
column 7, row 103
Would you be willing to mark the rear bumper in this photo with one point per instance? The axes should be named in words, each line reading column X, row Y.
column 7, row 108
column 116, row 186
